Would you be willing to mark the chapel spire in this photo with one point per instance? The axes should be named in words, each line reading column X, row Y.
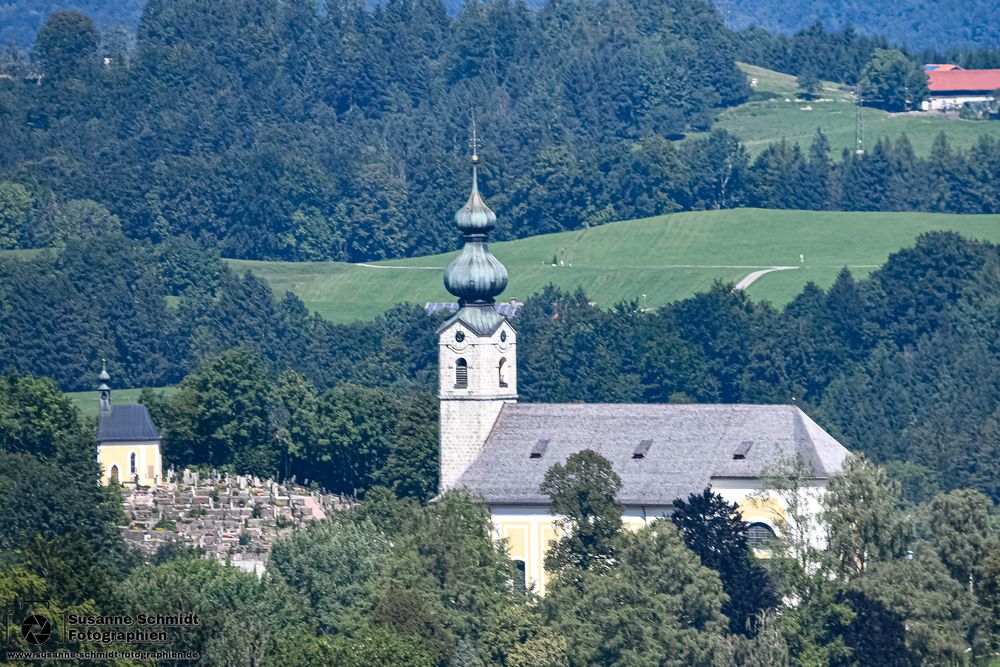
column 104, row 389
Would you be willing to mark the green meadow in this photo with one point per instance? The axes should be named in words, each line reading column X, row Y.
column 86, row 401
column 760, row 121
column 654, row 261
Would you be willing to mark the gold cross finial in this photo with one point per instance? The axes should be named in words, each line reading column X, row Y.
column 474, row 143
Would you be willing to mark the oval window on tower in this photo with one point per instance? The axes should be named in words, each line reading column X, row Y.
column 503, row 336
column 459, row 336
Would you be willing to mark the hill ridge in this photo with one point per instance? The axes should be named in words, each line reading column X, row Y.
column 665, row 257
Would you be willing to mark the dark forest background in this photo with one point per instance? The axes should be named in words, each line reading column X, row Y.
column 914, row 24
column 270, row 130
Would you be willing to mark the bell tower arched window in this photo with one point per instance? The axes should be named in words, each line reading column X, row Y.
column 461, row 374
column 502, row 371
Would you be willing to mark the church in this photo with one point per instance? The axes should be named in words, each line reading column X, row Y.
column 128, row 443
column 500, row 449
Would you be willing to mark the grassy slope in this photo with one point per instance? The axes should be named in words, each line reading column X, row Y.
column 761, row 122
column 86, row 401
column 667, row 258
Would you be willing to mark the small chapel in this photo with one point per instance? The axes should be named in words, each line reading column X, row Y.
column 128, row 442
column 500, row 449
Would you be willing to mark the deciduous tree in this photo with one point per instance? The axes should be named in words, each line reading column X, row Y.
column 863, row 519
column 583, row 496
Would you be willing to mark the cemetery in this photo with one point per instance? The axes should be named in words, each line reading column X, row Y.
column 234, row 518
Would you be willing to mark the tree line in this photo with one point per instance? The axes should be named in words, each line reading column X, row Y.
column 392, row 581
column 840, row 54
column 647, row 177
column 830, row 54
column 156, row 312
column 885, row 177
column 911, row 24
column 279, row 131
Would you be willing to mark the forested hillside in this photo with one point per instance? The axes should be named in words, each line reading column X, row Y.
column 20, row 20
column 918, row 24
column 272, row 131
column 277, row 132
column 938, row 24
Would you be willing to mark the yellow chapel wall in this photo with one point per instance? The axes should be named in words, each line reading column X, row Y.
column 149, row 465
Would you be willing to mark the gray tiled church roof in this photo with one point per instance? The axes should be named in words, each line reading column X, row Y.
column 689, row 445
column 128, row 422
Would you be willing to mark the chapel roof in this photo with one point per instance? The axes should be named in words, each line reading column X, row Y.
column 683, row 447
column 127, row 422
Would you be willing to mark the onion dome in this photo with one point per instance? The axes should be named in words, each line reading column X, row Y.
column 475, row 276
column 104, row 377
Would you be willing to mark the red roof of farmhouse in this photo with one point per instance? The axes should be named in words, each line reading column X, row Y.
column 964, row 79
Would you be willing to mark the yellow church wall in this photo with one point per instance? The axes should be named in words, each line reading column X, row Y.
column 149, row 466
column 758, row 506
column 516, row 534
column 530, row 530
column 767, row 510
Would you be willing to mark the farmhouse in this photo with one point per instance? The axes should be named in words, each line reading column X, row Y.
column 128, row 443
column 500, row 449
column 951, row 86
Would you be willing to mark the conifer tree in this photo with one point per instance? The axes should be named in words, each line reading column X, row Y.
column 714, row 530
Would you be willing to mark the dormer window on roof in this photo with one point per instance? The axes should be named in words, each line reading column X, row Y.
column 642, row 449
column 539, row 449
column 742, row 450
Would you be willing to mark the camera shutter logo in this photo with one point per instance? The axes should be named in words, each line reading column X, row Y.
column 36, row 629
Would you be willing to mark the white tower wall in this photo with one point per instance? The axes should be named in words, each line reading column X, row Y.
column 468, row 413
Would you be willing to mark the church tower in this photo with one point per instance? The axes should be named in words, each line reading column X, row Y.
column 477, row 347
